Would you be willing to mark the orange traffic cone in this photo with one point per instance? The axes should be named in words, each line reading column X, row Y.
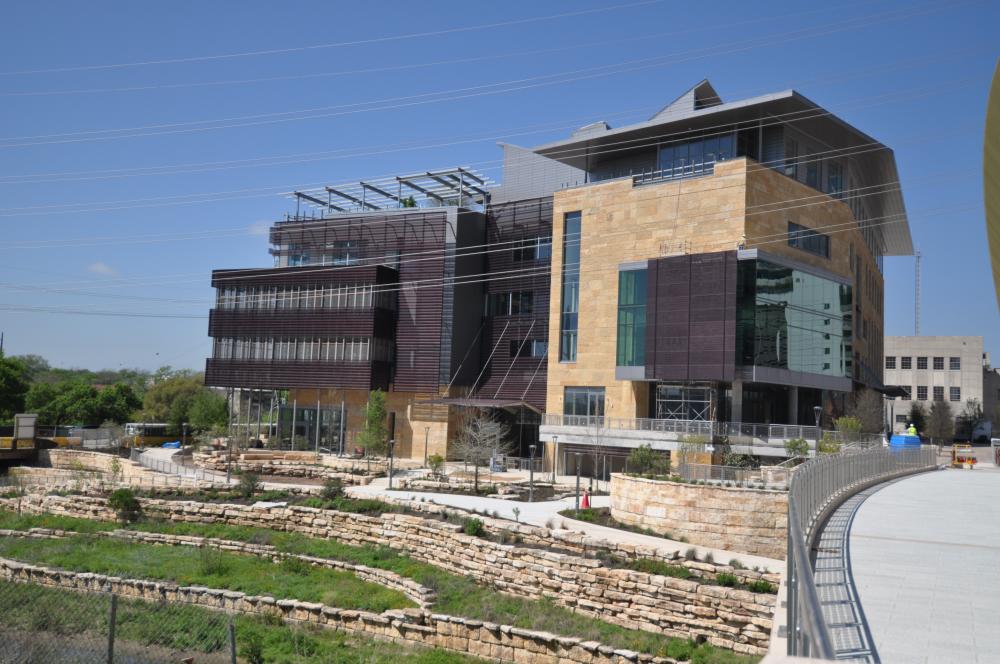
column 585, row 503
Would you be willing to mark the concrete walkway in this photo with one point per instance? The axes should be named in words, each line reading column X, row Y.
column 545, row 513
column 925, row 557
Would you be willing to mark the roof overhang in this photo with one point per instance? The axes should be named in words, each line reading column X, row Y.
column 874, row 160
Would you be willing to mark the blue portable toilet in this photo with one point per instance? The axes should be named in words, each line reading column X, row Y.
column 904, row 440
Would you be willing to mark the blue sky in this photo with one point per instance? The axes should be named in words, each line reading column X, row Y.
column 86, row 211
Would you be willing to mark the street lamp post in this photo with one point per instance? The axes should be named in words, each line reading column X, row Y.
column 392, row 444
column 817, row 411
column 531, row 474
column 427, row 433
column 577, row 481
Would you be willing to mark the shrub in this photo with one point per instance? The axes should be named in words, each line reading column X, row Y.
column 796, row 447
column 249, row 484
column 680, row 649
column 644, row 460
column 691, row 554
column 473, row 526
column 661, row 568
column 828, row 444
column 125, row 504
column 709, row 558
column 736, row 564
column 436, row 463
column 726, row 579
column 252, row 647
column 761, row 586
column 587, row 515
column 332, row 489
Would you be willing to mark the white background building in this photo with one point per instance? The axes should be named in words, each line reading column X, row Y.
column 934, row 369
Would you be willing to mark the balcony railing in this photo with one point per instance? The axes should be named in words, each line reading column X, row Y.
column 736, row 432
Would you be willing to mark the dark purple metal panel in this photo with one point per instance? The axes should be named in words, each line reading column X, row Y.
column 691, row 317
column 286, row 375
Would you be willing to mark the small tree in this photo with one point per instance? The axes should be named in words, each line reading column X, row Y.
column 482, row 437
column 644, row 461
column 971, row 417
column 828, row 444
column 598, row 452
column 249, row 484
column 373, row 437
column 941, row 425
column 918, row 417
column 866, row 406
column 436, row 463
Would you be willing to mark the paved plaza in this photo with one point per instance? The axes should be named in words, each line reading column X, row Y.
column 925, row 558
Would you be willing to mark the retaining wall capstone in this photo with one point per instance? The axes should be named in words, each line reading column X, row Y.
column 686, row 608
column 752, row 521
column 410, row 626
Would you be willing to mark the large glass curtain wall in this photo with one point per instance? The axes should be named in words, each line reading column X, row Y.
column 794, row 320
column 298, row 427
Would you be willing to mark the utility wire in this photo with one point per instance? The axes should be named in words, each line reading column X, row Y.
column 446, row 95
column 314, row 47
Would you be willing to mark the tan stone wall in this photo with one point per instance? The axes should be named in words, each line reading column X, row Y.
column 773, row 200
column 727, row 617
column 747, row 520
column 621, row 223
column 501, row 643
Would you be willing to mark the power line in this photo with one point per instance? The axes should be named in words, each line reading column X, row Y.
column 436, row 97
column 627, row 144
column 408, row 66
column 199, row 167
column 314, row 47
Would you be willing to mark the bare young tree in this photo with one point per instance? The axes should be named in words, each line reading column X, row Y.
column 481, row 437
column 598, row 452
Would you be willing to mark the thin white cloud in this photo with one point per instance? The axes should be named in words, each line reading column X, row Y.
column 260, row 228
column 103, row 269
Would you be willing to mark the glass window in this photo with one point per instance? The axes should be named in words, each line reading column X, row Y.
column 906, row 362
column 583, row 401
column 938, row 393
column 568, row 320
column 938, row 364
column 955, row 363
column 529, row 348
column 835, row 179
column 921, row 363
column 813, row 165
column 631, row 318
column 809, row 240
column 890, row 362
column 921, row 393
column 902, row 419
column 792, row 158
column 955, row 393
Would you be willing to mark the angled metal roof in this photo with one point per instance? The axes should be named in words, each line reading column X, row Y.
column 693, row 113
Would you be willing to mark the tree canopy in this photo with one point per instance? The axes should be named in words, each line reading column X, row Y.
column 14, row 385
column 76, row 402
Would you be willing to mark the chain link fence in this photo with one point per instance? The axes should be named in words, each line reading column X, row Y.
column 42, row 625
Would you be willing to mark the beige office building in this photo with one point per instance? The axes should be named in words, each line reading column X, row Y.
column 933, row 369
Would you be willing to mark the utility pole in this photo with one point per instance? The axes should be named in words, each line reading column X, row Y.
column 916, row 296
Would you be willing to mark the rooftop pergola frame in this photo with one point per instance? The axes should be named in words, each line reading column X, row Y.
column 460, row 186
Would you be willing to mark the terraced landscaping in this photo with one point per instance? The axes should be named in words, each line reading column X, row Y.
column 456, row 595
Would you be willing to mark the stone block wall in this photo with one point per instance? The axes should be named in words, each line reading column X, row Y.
column 748, row 520
column 409, row 626
column 686, row 608
column 293, row 464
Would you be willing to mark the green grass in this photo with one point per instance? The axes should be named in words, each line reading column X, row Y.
column 207, row 567
column 456, row 595
column 651, row 566
column 194, row 629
